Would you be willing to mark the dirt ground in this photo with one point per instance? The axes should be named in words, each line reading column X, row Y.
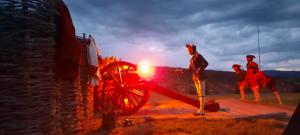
column 164, row 116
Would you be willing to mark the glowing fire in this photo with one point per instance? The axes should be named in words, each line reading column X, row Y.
column 145, row 70
column 144, row 67
column 126, row 102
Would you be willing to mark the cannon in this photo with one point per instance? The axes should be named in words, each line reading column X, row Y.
column 124, row 88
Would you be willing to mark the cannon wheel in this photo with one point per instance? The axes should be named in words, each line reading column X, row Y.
column 122, row 89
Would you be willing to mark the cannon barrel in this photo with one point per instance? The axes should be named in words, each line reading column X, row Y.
column 210, row 105
column 172, row 94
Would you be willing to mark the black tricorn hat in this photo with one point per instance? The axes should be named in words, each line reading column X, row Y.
column 250, row 56
column 236, row 65
column 190, row 45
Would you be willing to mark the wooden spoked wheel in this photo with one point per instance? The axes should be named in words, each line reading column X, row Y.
column 122, row 89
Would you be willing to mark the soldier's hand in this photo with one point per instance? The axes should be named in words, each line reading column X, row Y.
column 199, row 71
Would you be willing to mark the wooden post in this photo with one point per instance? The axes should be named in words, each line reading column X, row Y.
column 109, row 120
column 109, row 114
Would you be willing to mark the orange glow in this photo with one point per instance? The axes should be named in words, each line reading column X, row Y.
column 144, row 67
column 145, row 70
column 126, row 102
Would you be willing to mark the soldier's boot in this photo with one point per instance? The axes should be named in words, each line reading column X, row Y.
column 256, row 94
column 201, row 110
column 201, row 93
column 277, row 96
column 242, row 93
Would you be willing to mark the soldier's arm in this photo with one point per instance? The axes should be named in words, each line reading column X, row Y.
column 264, row 78
column 190, row 67
column 202, row 61
column 247, row 78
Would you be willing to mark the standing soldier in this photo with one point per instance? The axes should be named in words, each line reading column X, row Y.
column 250, row 62
column 197, row 66
column 240, row 78
column 257, row 80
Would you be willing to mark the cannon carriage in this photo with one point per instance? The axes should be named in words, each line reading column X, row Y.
column 125, row 87
column 120, row 87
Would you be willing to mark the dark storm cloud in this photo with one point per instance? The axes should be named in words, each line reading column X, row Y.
column 224, row 30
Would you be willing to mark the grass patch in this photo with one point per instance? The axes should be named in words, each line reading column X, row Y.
column 290, row 100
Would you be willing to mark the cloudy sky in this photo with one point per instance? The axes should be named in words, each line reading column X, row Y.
column 225, row 31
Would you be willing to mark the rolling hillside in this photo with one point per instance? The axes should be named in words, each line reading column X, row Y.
column 220, row 82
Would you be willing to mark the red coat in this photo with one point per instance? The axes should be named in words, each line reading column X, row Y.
column 240, row 75
column 258, row 79
column 252, row 64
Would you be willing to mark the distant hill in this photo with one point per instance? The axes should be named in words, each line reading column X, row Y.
column 220, row 82
column 283, row 74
